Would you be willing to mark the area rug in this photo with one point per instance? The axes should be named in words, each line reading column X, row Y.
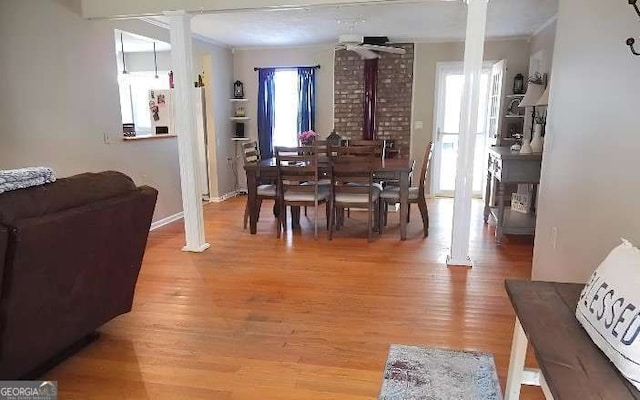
column 423, row 373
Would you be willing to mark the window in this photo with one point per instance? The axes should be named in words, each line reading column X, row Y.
column 287, row 97
column 134, row 96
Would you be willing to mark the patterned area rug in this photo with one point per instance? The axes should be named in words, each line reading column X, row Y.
column 423, row 373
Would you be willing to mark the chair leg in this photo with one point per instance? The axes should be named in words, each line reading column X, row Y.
column 258, row 208
column 246, row 214
column 279, row 223
column 328, row 211
column 283, row 218
column 381, row 216
column 315, row 220
column 305, row 211
column 370, row 222
column 385, row 210
column 332, row 216
column 409, row 212
column 424, row 212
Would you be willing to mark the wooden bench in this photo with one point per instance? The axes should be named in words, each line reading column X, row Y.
column 571, row 366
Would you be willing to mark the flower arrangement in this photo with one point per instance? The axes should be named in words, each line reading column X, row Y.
column 307, row 137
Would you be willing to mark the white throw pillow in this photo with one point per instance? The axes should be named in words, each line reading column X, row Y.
column 609, row 309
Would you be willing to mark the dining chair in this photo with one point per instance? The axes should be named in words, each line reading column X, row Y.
column 298, row 183
column 251, row 155
column 353, row 186
column 391, row 194
column 377, row 146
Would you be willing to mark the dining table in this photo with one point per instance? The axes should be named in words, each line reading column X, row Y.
column 397, row 170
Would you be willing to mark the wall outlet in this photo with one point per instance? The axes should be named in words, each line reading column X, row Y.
column 554, row 237
column 418, row 124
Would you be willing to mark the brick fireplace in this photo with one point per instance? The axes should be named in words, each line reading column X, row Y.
column 393, row 100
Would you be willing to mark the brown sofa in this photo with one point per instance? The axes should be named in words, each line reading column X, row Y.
column 70, row 253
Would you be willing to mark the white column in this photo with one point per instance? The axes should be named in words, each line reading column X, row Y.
column 185, row 123
column 473, row 58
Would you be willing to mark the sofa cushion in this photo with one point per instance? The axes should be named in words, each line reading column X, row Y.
column 62, row 195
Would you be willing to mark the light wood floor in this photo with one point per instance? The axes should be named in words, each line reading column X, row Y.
column 259, row 318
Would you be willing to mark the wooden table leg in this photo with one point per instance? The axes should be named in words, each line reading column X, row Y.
column 516, row 363
column 500, row 222
column 404, row 204
column 252, row 200
column 487, row 194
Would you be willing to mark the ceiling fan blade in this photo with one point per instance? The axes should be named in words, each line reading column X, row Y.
column 386, row 49
column 363, row 52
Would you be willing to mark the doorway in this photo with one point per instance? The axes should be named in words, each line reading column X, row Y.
column 450, row 88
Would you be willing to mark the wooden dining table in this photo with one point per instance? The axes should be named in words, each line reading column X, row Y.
column 399, row 170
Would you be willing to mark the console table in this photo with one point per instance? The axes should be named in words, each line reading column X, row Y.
column 509, row 167
column 571, row 366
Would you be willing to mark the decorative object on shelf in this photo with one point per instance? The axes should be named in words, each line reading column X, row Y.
column 239, row 130
column 170, row 79
column 537, row 143
column 631, row 41
column 238, row 90
column 526, row 147
column 513, row 107
column 307, row 137
column 518, row 84
column 129, row 130
column 200, row 80
column 240, row 111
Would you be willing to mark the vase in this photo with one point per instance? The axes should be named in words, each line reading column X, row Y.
column 526, row 147
column 537, row 143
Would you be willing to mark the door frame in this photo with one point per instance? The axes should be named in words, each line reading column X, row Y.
column 441, row 69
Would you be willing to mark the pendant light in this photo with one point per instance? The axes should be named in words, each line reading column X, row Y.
column 155, row 60
column 124, row 64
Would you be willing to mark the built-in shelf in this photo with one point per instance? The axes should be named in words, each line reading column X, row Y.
column 145, row 137
column 514, row 116
column 240, row 139
column 238, row 100
column 514, row 96
column 239, row 118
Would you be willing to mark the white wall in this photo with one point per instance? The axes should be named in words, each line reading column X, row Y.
column 590, row 181
column 427, row 57
column 58, row 81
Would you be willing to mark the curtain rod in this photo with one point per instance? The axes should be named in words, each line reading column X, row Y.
column 290, row 67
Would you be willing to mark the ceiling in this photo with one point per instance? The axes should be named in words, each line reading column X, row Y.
column 409, row 21
column 138, row 44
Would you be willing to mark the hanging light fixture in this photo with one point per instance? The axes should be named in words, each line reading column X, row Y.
column 155, row 60
column 124, row 64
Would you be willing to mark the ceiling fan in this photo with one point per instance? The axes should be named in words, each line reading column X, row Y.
column 368, row 46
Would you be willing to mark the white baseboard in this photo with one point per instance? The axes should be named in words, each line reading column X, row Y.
column 225, row 197
column 165, row 221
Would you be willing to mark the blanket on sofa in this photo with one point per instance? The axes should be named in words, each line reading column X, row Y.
column 14, row 179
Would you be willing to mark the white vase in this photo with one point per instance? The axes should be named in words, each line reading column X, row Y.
column 537, row 143
column 526, row 147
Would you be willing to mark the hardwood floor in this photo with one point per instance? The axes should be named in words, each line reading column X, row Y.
column 259, row 318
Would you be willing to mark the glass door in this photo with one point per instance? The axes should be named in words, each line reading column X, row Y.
column 448, row 114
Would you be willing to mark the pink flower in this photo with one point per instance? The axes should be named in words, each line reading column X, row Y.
column 307, row 136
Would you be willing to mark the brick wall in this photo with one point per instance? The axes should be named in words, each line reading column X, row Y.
column 395, row 90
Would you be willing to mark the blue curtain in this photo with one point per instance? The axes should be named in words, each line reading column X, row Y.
column 266, row 110
column 307, row 105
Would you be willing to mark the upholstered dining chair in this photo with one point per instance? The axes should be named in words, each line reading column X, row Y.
column 298, row 183
column 251, row 155
column 353, row 186
column 391, row 194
